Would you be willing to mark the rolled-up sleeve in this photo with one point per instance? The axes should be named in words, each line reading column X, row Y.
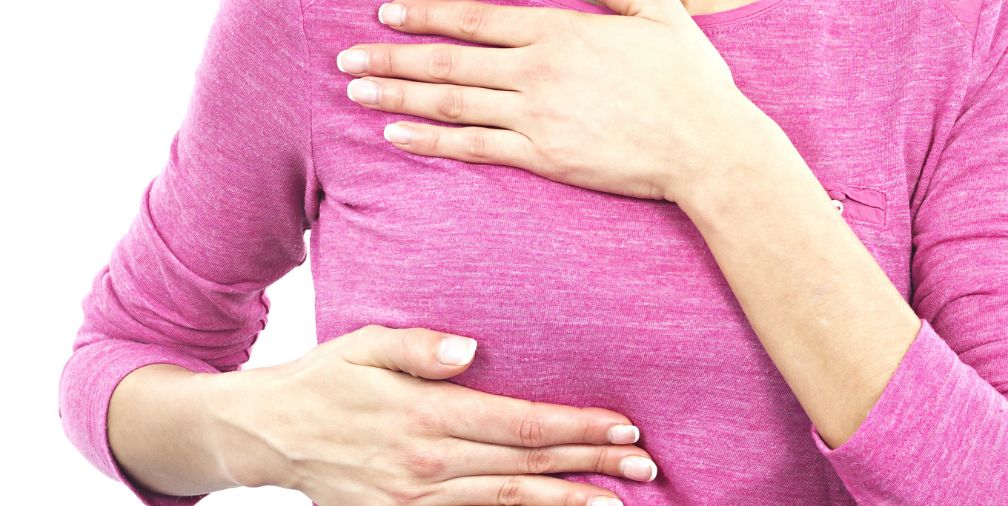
column 224, row 219
column 938, row 435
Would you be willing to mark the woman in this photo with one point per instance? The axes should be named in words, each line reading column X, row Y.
column 766, row 244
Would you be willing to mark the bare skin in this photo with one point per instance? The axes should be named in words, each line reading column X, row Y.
column 362, row 419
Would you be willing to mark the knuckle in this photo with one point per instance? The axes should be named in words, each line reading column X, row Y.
column 443, row 62
column 540, row 460
column 558, row 169
column 451, row 103
column 544, row 110
column 424, row 463
column 426, row 421
column 655, row 191
column 409, row 343
column 477, row 145
column 433, row 141
column 422, row 16
column 472, row 19
column 586, row 429
column 573, row 498
column 510, row 493
column 558, row 156
column 562, row 171
column 542, row 70
column 394, row 96
column 599, row 460
column 554, row 158
column 382, row 60
column 530, row 432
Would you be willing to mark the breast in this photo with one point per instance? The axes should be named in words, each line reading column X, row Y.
column 576, row 297
column 573, row 294
column 580, row 297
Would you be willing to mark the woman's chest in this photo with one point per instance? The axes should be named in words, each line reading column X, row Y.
column 407, row 239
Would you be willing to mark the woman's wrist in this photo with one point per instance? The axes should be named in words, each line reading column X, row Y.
column 757, row 162
column 233, row 403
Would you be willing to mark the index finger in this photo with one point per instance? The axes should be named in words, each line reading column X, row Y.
column 498, row 419
column 498, row 25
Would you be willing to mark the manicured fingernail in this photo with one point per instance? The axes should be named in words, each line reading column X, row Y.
column 352, row 60
column 456, row 350
column 605, row 501
column 363, row 91
column 638, row 468
column 397, row 134
column 623, row 434
column 392, row 14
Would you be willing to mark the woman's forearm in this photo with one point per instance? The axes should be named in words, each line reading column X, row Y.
column 159, row 430
column 827, row 314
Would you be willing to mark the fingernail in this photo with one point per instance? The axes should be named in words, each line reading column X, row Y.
column 397, row 134
column 392, row 14
column 605, row 501
column 623, row 434
column 638, row 468
column 363, row 91
column 352, row 60
column 456, row 350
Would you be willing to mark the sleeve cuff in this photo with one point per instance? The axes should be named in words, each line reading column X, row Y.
column 86, row 386
column 920, row 439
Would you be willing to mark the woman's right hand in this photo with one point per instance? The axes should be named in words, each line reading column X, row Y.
column 357, row 420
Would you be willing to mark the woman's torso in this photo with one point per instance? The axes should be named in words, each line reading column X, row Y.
column 591, row 299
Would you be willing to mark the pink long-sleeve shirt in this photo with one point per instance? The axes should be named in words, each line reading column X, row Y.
column 587, row 298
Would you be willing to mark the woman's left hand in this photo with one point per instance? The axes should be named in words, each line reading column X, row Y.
column 639, row 104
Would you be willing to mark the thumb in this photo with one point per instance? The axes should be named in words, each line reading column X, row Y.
column 655, row 10
column 417, row 351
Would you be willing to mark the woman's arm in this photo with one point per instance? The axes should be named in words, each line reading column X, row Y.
column 824, row 310
column 903, row 408
column 159, row 428
column 186, row 285
column 904, row 414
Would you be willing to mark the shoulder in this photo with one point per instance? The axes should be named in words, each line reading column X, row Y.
column 256, row 34
column 260, row 14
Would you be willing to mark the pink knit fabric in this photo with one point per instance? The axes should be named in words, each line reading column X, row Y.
column 582, row 297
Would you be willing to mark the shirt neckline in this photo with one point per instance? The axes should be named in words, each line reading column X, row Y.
column 714, row 18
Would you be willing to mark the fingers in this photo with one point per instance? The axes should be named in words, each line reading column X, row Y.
column 420, row 352
column 497, row 419
column 473, row 21
column 526, row 490
column 468, row 144
column 433, row 63
column 470, row 458
column 443, row 102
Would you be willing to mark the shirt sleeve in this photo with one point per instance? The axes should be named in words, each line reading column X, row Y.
column 224, row 219
column 938, row 435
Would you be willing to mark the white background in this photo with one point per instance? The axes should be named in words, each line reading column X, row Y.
column 91, row 94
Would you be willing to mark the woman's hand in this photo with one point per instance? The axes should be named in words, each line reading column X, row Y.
column 355, row 421
column 641, row 104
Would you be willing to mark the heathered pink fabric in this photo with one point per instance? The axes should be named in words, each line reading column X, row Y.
column 586, row 298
